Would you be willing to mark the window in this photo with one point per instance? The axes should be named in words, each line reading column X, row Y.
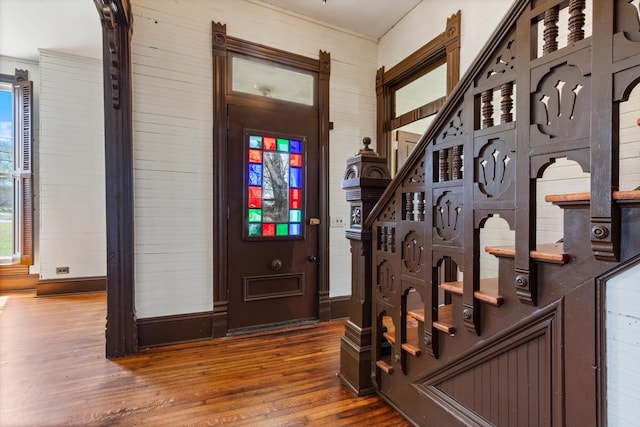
column 274, row 194
column 250, row 76
column 410, row 94
column 15, row 169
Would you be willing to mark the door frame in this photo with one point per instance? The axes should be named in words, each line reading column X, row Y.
column 120, row 329
column 223, row 47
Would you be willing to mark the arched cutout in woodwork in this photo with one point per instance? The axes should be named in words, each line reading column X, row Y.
column 562, row 176
column 494, row 231
column 629, row 136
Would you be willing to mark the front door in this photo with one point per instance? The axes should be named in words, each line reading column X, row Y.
column 272, row 219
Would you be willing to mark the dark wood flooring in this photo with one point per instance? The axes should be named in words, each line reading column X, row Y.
column 53, row 373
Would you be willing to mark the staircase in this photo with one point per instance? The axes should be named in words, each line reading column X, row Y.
column 442, row 344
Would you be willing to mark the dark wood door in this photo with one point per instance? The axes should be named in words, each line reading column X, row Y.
column 272, row 223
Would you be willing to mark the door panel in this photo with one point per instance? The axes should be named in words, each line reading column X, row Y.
column 272, row 194
column 406, row 143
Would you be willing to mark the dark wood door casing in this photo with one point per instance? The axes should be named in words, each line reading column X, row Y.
column 442, row 49
column 222, row 47
column 115, row 17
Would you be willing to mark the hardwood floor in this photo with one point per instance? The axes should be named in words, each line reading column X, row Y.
column 53, row 372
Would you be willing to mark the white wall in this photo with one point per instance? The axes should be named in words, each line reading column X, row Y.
column 8, row 66
column 173, row 165
column 623, row 348
column 71, row 166
column 429, row 18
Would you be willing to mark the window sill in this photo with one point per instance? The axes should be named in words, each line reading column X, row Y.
column 14, row 270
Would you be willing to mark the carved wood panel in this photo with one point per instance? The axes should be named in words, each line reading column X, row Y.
column 447, row 217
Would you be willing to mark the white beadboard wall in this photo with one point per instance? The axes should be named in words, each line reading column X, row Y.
column 428, row 19
column 71, row 166
column 8, row 66
column 172, row 103
column 623, row 348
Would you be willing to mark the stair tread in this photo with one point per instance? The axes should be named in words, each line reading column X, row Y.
column 550, row 252
column 488, row 292
column 445, row 319
column 390, row 334
column 453, row 287
column 385, row 366
column 417, row 314
column 411, row 349
column 586, row 196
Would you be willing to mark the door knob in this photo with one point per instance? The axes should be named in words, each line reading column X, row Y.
column 276, row 264
column 312, row 258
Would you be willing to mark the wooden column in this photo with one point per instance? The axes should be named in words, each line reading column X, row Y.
column 365, row 180
column 121, row 335
column 220, row 288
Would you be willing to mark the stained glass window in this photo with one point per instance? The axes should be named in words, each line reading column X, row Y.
column 275, row 185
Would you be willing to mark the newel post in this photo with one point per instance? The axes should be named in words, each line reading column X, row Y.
column 364, row 181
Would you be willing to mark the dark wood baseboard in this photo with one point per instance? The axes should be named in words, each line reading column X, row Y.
column 179, row 328
column 339, row 307
column 76, row 285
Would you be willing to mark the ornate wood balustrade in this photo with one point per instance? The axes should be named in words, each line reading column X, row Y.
column 444, row 344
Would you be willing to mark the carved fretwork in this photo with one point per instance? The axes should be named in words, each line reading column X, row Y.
column 502, row 63
column 495, row 168
column 562, row 102
column 413, row 252
column 447, row 216
column 386, row 280
column 417, row 175
column 389, row 213
column 627, row 20
column 454, row 129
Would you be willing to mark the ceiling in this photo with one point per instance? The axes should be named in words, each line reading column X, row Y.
column 371, row 18
column 72, row 26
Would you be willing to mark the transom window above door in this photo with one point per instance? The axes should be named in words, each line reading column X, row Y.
column 262, row 78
